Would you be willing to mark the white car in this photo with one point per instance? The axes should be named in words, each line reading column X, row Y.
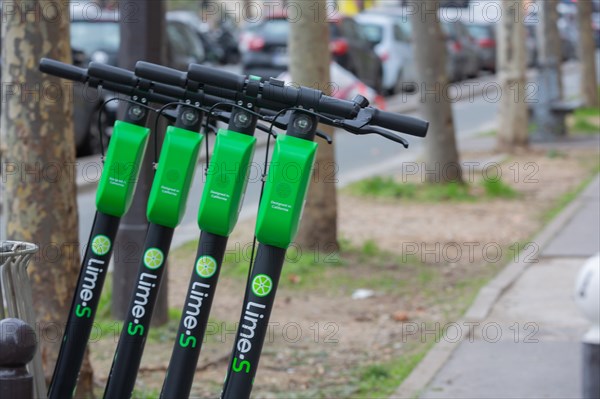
column 391, row 41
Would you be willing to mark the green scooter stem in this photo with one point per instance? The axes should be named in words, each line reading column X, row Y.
column 113, row 199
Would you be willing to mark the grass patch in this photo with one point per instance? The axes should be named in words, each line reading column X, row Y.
column 301, row 269
column 565, row 200
column 586, row 121
column 387, row 187
column 594, row 168
column 498, row 189
column 553, row 153
column 489, row 133
column 380, row 380
column 149, row 393
column 587, row 112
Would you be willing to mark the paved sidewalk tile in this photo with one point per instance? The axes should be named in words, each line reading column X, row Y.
column 529, row 346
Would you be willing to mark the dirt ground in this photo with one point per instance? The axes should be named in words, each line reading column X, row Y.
column 426, row 268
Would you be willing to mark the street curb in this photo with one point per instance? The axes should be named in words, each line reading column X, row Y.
column 426, row 370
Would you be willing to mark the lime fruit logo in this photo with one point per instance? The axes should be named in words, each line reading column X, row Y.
column 262, row 285
column 206, row 266
column 100, row 245
column 153, row 258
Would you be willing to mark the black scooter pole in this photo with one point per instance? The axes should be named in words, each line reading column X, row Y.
column 254, row 322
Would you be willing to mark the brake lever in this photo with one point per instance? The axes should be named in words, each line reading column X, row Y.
column 360, row 125
column 324, row 136
column 384, row 133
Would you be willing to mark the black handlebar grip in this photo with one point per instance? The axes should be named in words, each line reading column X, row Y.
column 159, row 73
column 62, row 70
column 216, row 77
column 112, row 73
column 400, row 123
column 337, row 107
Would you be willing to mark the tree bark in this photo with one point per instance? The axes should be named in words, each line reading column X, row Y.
column 38, row 157
column 309, row 66
column 141, row 39
column 587, row 52
column 441, row 154
column 512, row 63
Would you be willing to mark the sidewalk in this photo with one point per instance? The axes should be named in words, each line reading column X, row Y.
column 527, row 343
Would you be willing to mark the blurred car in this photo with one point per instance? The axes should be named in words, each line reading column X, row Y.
column 393, row 45
column 462, row 50
column 265, row 54
column 568, row 40
column 485, row 37
column 462, row 60
column 98, row 39
column 220, row 43
column 346, row 86
column 568, row 30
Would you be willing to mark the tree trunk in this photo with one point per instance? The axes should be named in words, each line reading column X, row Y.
column 309, row 66
column 141, row 39
column 441, row 155
column 512, row 63
column 548, row 40
column 587, row 55
column 38, row 155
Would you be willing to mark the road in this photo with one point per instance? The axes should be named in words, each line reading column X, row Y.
column 357, row 157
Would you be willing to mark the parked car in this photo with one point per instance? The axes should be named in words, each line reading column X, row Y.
column 485, row 37
column 264, row 49
column 220, row 43
column 462, row 60
column 393, row 44
column 99, row 39
column 462, row 50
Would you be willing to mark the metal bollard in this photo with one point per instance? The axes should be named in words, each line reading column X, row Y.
column 587, row 296
column 15, row 292
column 550, row 122
column 17, row 348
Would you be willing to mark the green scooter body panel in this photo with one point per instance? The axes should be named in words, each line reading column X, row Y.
column 121, row 168
column 173, row 178
column 226, row 182
column 285, row 191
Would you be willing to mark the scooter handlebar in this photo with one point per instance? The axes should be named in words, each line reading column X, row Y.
column 62, row 70
column 160, row 73
column 111, row 73
column 400, row 123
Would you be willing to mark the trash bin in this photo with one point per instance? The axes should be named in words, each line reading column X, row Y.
column 16, row 298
